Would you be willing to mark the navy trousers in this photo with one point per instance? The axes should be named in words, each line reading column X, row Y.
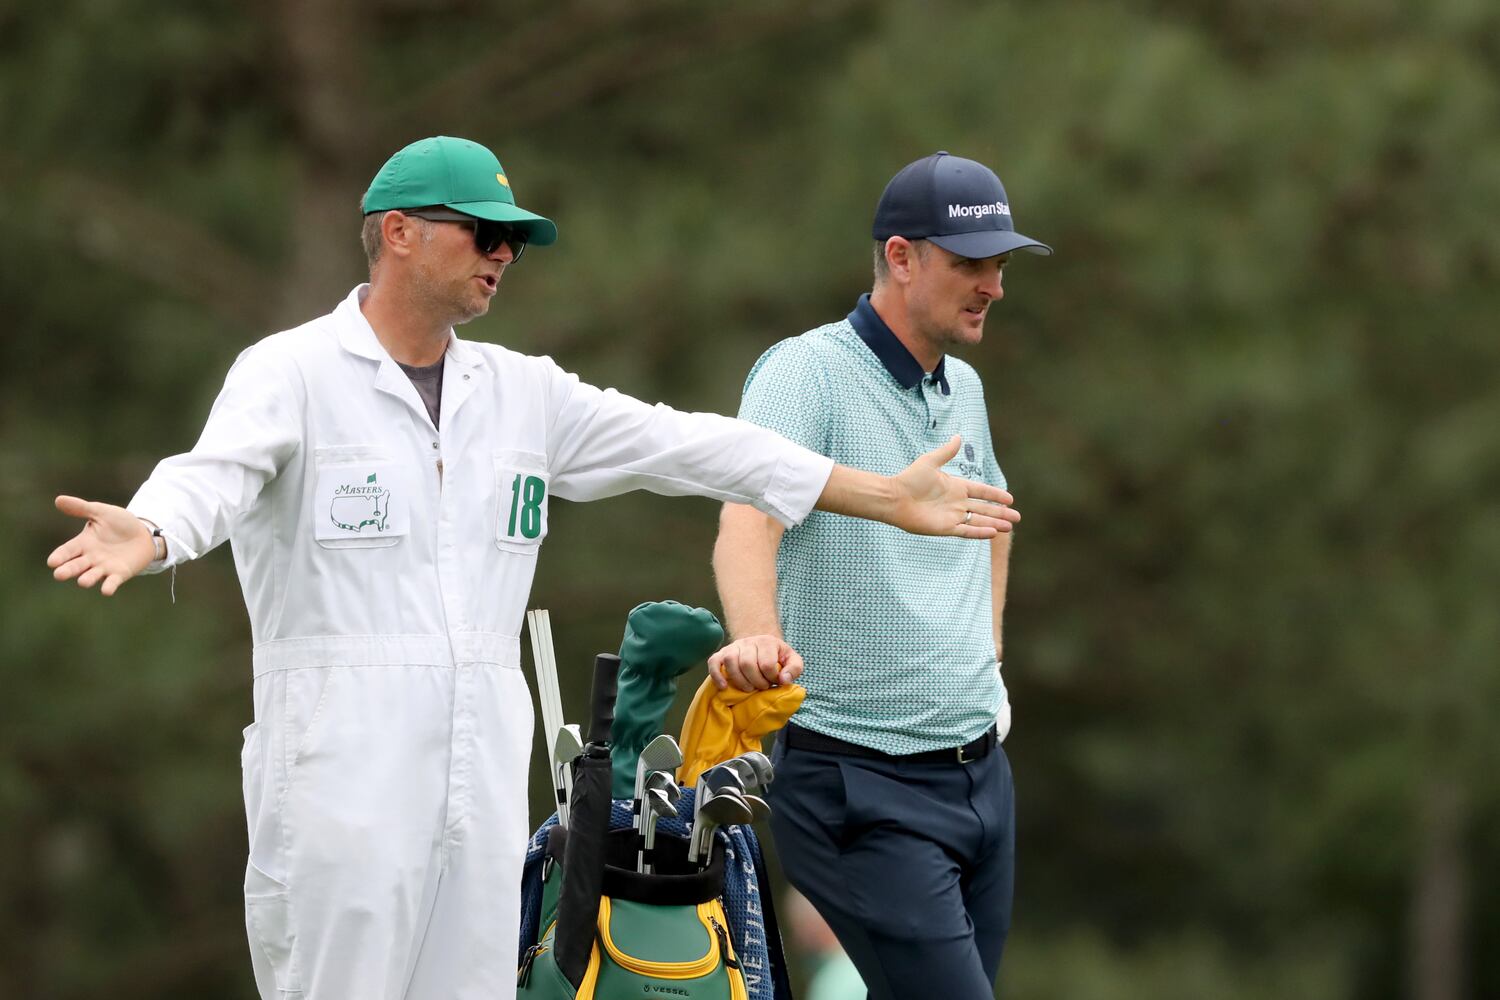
column 911, row 864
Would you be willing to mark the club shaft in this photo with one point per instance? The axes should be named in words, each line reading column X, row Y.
column 648, row 841
column 549, row 694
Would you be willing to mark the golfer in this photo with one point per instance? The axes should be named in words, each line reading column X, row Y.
column 385, row 487
column 892, row 808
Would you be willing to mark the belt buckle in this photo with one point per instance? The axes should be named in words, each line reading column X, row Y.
column 984, row 748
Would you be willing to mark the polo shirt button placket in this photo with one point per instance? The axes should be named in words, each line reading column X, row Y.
column 925, row 388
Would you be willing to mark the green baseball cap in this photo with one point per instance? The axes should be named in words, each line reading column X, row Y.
column 457, row 174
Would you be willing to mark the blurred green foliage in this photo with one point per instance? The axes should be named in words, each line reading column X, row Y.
column 1249, row 411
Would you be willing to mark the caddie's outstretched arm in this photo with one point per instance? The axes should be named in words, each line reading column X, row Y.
column 113, row 546
column 921, row 498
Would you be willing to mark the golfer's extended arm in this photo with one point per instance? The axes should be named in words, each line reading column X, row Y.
column 859, row 494
column 745, row 570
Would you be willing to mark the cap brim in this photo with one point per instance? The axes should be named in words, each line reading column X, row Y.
column 988, row 243
column 539, row 231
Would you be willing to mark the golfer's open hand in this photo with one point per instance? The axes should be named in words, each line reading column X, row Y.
column 755, row 663
column 113, row 546
column 931, row 502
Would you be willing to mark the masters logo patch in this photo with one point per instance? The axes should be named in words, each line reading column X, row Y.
column 356, row 508
column 355, row 502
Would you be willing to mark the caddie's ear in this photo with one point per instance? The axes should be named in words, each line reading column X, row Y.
column 401, row 233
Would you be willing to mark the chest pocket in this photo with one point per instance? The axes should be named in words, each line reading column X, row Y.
column 521, row 487
column 362, row 498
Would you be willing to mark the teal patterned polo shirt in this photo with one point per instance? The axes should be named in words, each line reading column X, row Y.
column 896, row 630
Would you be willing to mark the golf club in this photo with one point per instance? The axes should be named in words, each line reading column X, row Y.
column 754, row 768
column 664, row 782
column 720, row 801
column 662, row 796
column 661, row 754
column 658, row 805
column 549, row 695
column 760, row 809
column 567, row 747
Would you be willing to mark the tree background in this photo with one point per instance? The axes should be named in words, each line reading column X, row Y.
column 1249, row 410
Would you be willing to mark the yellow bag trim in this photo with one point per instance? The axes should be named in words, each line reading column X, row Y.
column 590, row 976
column 737, row 988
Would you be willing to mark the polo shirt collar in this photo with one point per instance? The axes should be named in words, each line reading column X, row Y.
column 892, row 353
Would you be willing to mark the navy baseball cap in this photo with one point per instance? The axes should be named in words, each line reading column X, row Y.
column 956, row 203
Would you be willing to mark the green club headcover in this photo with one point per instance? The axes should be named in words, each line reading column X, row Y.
column 663, row 639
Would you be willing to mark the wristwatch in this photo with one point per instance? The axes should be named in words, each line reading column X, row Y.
column 158, row 541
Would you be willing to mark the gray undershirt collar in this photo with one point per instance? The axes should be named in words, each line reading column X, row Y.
column 428, row 382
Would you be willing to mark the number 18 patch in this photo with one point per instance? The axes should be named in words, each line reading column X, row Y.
column 521, row 494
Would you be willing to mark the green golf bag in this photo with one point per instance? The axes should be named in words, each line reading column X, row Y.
column 661, row 935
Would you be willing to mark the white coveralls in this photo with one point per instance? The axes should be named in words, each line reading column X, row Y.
column 386, row 568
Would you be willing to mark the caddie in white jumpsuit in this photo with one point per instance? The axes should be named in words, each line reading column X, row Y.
column 386, row 537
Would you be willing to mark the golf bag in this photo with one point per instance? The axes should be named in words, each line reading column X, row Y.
column 678, row 932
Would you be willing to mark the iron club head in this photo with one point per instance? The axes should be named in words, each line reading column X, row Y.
column 711, row 809
column 661, row 754
column 754, row 769
column 760, row 809
column 662, row 781
column 567, row 747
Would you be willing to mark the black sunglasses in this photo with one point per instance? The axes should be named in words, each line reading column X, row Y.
column 488, row 234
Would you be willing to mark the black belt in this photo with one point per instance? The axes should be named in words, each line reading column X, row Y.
column 798, row 738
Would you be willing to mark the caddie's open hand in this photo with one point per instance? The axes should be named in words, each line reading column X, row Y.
column 755, row 663
column 934, row 503
column 113, row 546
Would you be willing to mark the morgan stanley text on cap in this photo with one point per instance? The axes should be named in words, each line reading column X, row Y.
column 956, row 203
column 456, row 174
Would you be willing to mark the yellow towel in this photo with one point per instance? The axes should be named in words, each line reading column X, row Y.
column 725, row 724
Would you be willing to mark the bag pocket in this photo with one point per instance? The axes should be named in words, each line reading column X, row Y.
column 644, row 950
column 683, row 948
